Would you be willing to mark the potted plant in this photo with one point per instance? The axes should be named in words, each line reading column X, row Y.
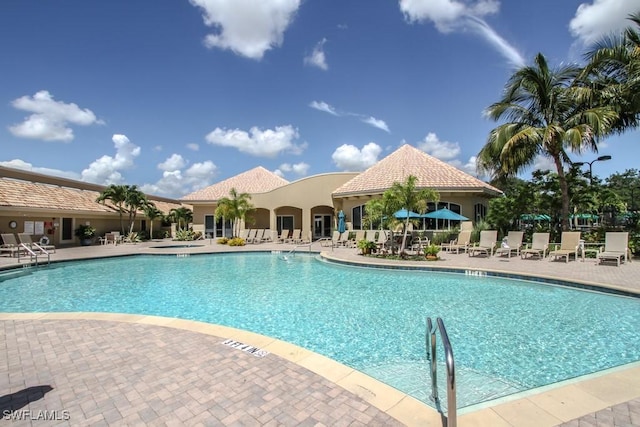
column 366, row 246
column 85, row 233
column 431, row 252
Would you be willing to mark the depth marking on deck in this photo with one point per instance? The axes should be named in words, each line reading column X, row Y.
column 257, row 352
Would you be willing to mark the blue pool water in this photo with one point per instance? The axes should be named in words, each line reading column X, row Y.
column 507, row 335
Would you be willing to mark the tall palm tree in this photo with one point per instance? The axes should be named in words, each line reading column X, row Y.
column 234, row 208
column 407, row 196
column 135, row 200
column 181, row 215
column 614, row 70
column 117, row 195
column 153, row 213
column 547, row 114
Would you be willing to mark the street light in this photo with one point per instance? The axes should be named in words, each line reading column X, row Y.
column 599, row 159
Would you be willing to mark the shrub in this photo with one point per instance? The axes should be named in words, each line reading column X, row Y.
column 222, row 240
column 184, row 235
column 236, row 241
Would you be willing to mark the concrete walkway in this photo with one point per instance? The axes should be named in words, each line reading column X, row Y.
column 93, row 368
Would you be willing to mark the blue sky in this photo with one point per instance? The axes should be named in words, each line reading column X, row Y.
column 176, row 95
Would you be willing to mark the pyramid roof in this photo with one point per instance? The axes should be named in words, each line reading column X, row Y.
column 408, row 160
column 256, row 180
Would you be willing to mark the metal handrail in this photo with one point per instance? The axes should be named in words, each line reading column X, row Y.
column 33, row 254
column 430, row 341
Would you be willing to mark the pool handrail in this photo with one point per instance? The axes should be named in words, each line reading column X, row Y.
column 430, row 339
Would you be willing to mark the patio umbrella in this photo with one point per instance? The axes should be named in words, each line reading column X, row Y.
column 342, row 227
column 403, row 214
column 445, row 213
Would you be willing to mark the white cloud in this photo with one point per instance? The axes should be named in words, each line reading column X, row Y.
column 50, row 119
column 193, row 147
column 176, row 183
column 380, row 124
column 247, row 27
column 172, row 163
column 451, row 15
column 598, row 18
column 543, row 163
column 317, row 58
column 443, row 150
column 258, row 142
column 348, row 157
column 323, row 106
column 21, row 164
column 300, row 169
column 106, row 169
column 157, row 148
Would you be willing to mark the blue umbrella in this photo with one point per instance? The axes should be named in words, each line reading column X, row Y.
column 403, row 213
column 342, row 227
column 445, row 213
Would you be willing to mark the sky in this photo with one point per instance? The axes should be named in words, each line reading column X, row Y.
column 173, row 96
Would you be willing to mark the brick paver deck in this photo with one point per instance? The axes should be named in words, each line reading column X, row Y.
column 104, row 372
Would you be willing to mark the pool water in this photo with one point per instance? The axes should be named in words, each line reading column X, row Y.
column 507, row 335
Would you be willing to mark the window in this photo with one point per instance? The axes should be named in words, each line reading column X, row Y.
column 357, row 218
column 284, row 222
column 479, row 212
column 439, row 224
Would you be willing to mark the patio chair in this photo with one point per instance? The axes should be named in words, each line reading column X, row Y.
column 569, row 244
column 43, row 245
column 616, row 247
column 295, row 236
column 461, row 242
column 10, row 245
column 244, row 234
column 360, row 235
column 539, row 246
column 512, row 243
column 486, row 245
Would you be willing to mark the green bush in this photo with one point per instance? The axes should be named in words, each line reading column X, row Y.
column 184, row 235
column 236, row 241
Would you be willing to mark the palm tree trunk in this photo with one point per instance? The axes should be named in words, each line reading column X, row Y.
column 564, row 192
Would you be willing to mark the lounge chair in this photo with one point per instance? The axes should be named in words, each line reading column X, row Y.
column 462, row 242
column 344, row 239
column 10, row 245
column 295, row 236
column 333, row 242
column 486, row 245
column 539, row 246
column 512, row 243
column 569, row 244
column 251, row 237
column 360, row 235
column 418, row 243
column 25, row 238
column 616, row 247
column 244, row 235
column 284, row 235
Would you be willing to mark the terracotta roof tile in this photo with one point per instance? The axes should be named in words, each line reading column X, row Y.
column 256, row 180
column 407, row 160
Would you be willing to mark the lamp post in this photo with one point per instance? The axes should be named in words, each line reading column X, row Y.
column 599, row 159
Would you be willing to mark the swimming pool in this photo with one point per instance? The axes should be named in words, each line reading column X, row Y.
column 507, row 335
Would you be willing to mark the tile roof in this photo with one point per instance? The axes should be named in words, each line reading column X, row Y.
column 37, row 195
column 407, row 160
column 256, row 180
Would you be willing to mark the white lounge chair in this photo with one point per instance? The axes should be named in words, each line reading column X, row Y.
column 486, row 245
column 26, row 239
column 460, row 243
column 616, row 248
column 296, row 236
column 512, row 243
column 10, row 245
column 569, row 244
column 539, row 246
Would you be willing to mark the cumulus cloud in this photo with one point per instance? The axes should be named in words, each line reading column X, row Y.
column 247, row 27
column 317, row 58
column 178, row 182
column 299, row 169
column 323, row 106
column 21, row 164
column 258, row 142
column 51, row 119
column 599, row 18
column 106, row 169
column 380, row 124
column 453, row 16
column 348, row 157
column 443, row 150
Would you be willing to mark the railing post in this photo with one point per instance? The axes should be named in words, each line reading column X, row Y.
column 452, row 417
column 430, row 338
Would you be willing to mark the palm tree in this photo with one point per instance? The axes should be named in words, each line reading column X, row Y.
column 407, row 196
column 135, row 200
column 547, row 114
column 117, row 195
column 614, row 71
column 180, row 215
column 234, row 208
column 152, row 212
